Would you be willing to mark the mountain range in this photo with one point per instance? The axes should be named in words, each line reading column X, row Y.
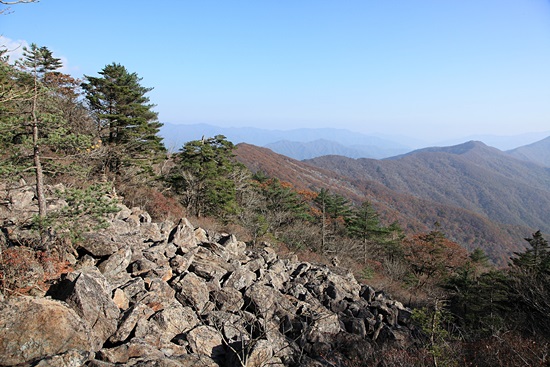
column 309, row 143
column 479, row 195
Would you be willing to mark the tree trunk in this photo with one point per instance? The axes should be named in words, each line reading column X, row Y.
column 36, row 155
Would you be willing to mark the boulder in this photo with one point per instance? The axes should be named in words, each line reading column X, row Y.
column 36, row 328
column 206, row 340
column 114, row 268
column 129, row 322
column 85, row 291
column 183, row 235
column 192, row 291
column 72, row 358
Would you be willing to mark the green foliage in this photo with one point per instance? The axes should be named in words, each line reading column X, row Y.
column 86, row 210
column 35, row 97
column 127, row 126
column 536, row 258
column 39, row 60
column 434, row 324
column 480, row 303
column 202, row 176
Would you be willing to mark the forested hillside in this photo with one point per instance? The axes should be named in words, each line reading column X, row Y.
column 471, row 176
column 415, row 213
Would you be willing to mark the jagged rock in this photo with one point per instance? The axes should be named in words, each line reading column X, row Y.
column 183, row 235
column 255, row 264
column 133, row 289
column 200, row 235
column 135, row 348
column 181, row 263
column 123, row 213
column 192, row 291
column 276, row 275
column 208, row 270
column 36, row 328
column 114, row 268
column 171, row 321
column 240, row 279
column 21, row 199
column 141, row 266
column 98, row 363
column 323, row 328
column 228, row 299
column 161, row 291
column 181, row 361
column 234, row 248
column 138, row 312
column 120, row 299
column 268, row 254
column 206, row 340
column 85, row 291
column 233, row 326
column 99, row 244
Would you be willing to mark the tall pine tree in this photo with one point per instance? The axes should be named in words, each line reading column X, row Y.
column 126, row 124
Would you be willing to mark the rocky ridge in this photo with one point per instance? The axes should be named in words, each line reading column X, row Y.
column 170, row 294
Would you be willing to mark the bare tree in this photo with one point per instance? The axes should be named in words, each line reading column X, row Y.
column 14, row 3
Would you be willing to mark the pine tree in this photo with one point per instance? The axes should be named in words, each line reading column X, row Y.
column 536, row 258
column 126, row 125
column 38, row 61
column 364, row 224
column 202, row 176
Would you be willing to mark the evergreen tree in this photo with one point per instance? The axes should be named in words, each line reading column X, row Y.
column 536, row 258
column 126, row 125
column 202, row 176
column 333, row 212
column 38, row 61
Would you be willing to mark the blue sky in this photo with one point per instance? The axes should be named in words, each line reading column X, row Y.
column 429, row 69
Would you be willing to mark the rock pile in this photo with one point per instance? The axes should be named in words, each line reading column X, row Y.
column 166, row 294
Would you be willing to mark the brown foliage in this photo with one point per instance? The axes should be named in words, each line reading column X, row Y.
column 159, row 206
column 24, row 270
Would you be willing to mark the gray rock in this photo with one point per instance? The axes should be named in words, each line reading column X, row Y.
column 240, row 279
column 228, row 299
column 183, row 235
column 206, row 340
column 36, row 328
column 99, row 244
column 85, row 291
column 169, row 322
column 192, row 291
column 114, row 268
column 129, row 321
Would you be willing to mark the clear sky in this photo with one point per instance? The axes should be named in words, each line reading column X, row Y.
column 431, row 69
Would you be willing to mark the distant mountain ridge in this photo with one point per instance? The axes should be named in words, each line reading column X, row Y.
column 309, row 143
column 321, row 147
column 175, row 136
column 538, row 152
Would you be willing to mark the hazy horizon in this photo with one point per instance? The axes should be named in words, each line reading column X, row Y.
column 427, row 69
column 502, row 142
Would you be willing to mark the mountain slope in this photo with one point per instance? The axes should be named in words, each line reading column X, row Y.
column 538, row 152
column 414, row 213
column 472, row 176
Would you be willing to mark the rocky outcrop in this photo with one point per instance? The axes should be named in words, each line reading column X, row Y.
column 165, row 294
